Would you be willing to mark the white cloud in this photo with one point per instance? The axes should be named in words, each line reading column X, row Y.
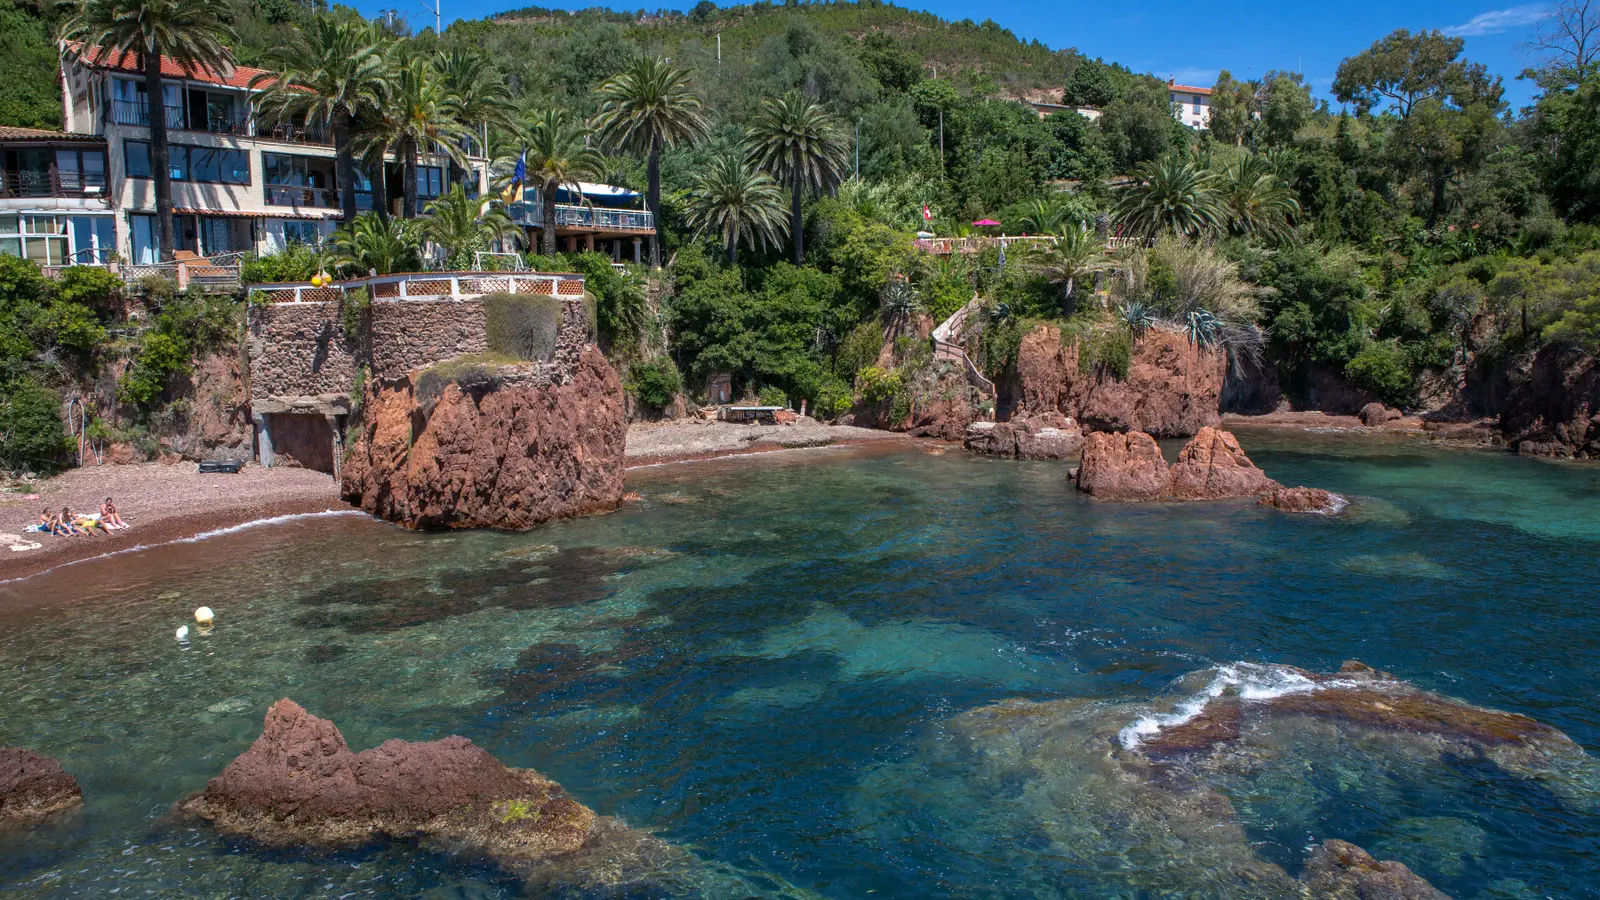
column 1498, row 20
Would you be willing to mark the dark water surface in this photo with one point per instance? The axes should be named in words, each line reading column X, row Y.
column 762, row 662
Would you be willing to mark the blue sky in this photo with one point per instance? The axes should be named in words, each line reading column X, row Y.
column 1192, row 41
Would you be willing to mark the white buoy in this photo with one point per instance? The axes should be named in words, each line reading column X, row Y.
column 183, row 633
column 204, row 616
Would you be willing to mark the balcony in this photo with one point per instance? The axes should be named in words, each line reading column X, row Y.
column 134, row 112
column 592, row 218
column 209, row 120
column 44, row 183
column 298, row 195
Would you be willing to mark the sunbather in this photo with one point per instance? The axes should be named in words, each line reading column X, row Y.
column 70, row 523
column 109, row 517
column 47, row 521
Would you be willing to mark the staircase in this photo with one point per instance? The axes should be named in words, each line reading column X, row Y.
column 946, row 345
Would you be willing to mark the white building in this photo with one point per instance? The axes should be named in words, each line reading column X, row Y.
column 1190, row 105
column 237, row 184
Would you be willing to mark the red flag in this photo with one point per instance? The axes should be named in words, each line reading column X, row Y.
column 926, row 213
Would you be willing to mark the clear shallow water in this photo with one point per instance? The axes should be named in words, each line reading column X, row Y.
column 769, row 660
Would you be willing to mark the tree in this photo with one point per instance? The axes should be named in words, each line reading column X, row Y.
column 644, row 110
column 377, row 243
column 1569, row 39
column 1076, row 252
column 460, row 224
column 423, row 115
column 1285, row 106
column 191, row 33
column 476, row 94
column 1255, row 200
column 334, row 72
column 1138, row 125
column 803, row 146
column 1171, row 195
column 558, row 155
column 1090, row 84
column 739, row 202
column 1233, row 109
column 1405, row 69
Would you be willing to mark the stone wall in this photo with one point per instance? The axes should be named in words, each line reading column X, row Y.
column 414, row 334
column 300, row 351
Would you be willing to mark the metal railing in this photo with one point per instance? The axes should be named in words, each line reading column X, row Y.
column 45, row 183
column 298, row 195
column 946, row 345
column 452, row 286
column 290, row 133
column 571, row 216
column 137, row 112
column 946, row 246
column 499, row 262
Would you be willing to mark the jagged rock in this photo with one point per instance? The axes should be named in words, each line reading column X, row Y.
column 299, row 785
column 1172, row 388
column 1129, row 466
column 1374, row 415
column 1339, row 870
column 1302, row 500
column 33, row 788
column 512, row 449
column 1554, row 410
column 1046, row 436
column 1122, row 467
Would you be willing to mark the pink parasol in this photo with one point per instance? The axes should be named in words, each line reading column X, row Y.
column 985, row 223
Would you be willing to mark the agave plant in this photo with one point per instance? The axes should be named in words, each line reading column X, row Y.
column 898, row 299
column 1203, row 328
column 1138, row 315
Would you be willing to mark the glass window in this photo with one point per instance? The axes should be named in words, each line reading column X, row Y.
column 138, row 153
column 94, row 168
column 178, row 162
column 430, row 181
column 301, row 232
column 11, row 246
column 8, row 224
column 203, row 164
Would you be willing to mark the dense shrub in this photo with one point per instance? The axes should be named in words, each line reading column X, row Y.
column 1383, row 369
column 32, row 438
column 877, row 385
column 90, row 286
column 522, row 326
column 471, row 372
column 772, row 396
column 296, row 262
column 655, row 382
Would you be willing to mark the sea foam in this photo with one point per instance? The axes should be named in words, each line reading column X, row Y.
column 1248, row 681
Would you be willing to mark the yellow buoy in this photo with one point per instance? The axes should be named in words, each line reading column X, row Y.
column 316, row 281
column 204, row 616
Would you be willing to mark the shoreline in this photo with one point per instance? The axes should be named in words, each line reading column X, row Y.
column 693, row 440
column 161, row 503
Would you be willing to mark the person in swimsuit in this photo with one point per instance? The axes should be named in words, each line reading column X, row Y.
column 108, row 515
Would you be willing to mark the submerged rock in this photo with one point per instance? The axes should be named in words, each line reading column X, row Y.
column 1302, row 500
column 1045, row 436
column 1130, row 466
column 300, row 785
column 1339, row 870
column 508, row 448
column 33, row 788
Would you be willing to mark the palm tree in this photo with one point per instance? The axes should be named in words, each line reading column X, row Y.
column 191, row 33
column 645, row 109
column 1171, row 195
column 739, row 202
column 477, row 94
column 1256, row 201
column 1046, row 216
column 420, row 115
column 376, row 242
column 804, row 147
column 334, row 72
column 558, row 155
column 1075, row 253
column 458, row 223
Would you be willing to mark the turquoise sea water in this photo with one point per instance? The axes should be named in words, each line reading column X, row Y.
column 768, row 662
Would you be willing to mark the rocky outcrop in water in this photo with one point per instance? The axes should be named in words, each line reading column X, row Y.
column 300, row 785
column 33, row 788
column 1212, row 466
column 504, row 447
column 1045, row 436
column 1302, row 500
column 1172, row 388
column 1339, row 870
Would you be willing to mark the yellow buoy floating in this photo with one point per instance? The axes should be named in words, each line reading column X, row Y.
column 205, row 616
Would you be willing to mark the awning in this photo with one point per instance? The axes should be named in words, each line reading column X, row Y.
column 606, row 191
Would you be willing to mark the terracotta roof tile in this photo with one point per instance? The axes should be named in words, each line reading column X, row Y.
column 13, row 133
column 1187, row 89
column 129, row 62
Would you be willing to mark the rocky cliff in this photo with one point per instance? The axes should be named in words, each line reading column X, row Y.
column 1553, row 408
column 496, row 447
column 1172, row 389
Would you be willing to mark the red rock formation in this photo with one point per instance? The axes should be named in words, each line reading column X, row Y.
column 1374, row 415
column 1212, row 466
column 1129, row 466
column 1555, row 409
column 1339, row 870
column 1301, row 500
column 1046, row 436
column 299, row 784
column 33, row 788
column 1122, row 467
column 513, row 454
column 1173, row 388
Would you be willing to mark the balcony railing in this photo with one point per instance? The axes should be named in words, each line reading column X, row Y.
column 44, row 183
column 436, row 286
column 136, row 112
column 597, row 217
column 296, row 195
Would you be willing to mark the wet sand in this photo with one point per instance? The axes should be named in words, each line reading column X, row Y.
column 686, row 440
column 160, row 503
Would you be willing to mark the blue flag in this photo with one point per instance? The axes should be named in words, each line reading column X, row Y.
column 521, row 174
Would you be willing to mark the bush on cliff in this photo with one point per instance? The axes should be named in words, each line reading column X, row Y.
column 1382, row 369
column 296, row 262
column 655, row 382
column 473, row 371
column 522, row 326
column 32, row 438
